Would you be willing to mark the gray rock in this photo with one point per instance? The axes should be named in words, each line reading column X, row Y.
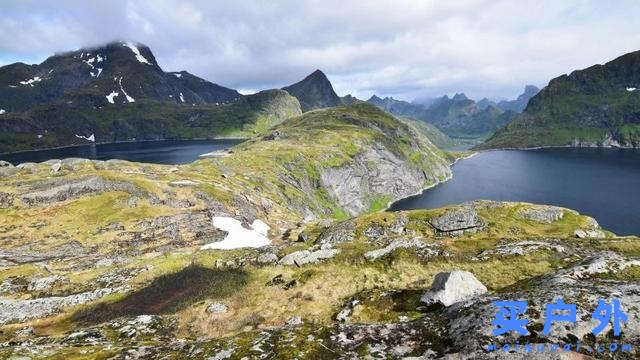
column 307, row 257
column 520, row 248
column 5, row 164
column 29, row 167
column 222, row 355
column 451, row 287
column 377, row 230
column 74, row 163
column 8, row 171
column 589, row 234
column 61, row 190
column 338, row 233
column 396, row 244
column 183, row 183
column 45, row 283
column 294, row 321
column 543, row 214
column 455, row 222
column 267, row 258
column 217, row 308
column 55, row 167
column 18, row 311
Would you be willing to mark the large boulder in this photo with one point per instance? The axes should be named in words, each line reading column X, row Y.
column 453, row 286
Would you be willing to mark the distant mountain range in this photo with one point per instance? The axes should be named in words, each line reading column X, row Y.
column 459, row 116
column 117, row 92
column 597, row 106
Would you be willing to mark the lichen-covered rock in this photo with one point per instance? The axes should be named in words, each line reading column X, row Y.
column 217, row 308
column 396, row 244
column 61, row 190
column 305, row 256
column 451, row 287
column 543, row 213
column 589, row 234
column 456, row 221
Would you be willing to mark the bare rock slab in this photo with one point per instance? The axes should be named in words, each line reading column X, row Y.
column 453, row 286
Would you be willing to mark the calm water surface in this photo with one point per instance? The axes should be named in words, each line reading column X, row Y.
column 602, row 183
column 157, row 152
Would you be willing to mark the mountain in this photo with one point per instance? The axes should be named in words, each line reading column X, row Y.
column 118, row 92
column 458, row 117
column 519, row 104
column 314, row 92
column 116, row 73
column 398, row 107
column 462, row 117
column 596, row 106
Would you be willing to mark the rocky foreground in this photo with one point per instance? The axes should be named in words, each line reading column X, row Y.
column 279, row 250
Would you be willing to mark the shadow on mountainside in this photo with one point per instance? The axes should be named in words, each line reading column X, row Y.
column 169, row 293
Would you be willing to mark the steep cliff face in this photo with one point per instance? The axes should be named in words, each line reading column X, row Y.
column 597, row 106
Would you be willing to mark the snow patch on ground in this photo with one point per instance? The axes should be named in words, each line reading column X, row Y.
column 238, row 236
column 177, row 75
column 181, row 97
column 631, row 89
column 136, row 52
column 2, row 111
column 91, row 138
column 111, row 96
column 31, row 81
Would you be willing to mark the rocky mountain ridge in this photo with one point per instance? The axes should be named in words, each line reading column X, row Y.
column 459, row 116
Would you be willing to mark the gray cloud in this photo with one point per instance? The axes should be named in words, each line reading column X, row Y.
column 404, row 48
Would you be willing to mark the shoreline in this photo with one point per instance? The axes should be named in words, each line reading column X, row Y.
column 559, row 147
column 123, row 142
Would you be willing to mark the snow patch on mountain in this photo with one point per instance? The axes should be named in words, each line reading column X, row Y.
column 91, row 138
column 136, row 52
column 111, row 96
column 2, row 111
column 630, row 89
column 178, row 75
column 31, row 81
column 182, row 97
column 129, row 98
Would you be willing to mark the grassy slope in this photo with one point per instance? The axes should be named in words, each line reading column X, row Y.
column 586, row 106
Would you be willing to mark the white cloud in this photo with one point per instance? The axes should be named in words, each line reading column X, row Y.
column 406, row 48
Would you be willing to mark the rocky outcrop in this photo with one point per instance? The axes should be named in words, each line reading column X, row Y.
column 66, row 189
column 543, row 214
column 302, row 257
column 457, row 221
column 376, row 172
column 451, row 287
column 22, row 310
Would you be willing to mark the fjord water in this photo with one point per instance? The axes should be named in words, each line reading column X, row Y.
column 602, row 183
column 171, row 152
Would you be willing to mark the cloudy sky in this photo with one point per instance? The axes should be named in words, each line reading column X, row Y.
column 406, row 49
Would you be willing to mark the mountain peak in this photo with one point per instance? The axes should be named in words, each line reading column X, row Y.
column 460, row 97
column 314, row 91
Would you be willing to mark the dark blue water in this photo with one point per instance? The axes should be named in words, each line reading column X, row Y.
column 602, row 183
column 157, row 152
